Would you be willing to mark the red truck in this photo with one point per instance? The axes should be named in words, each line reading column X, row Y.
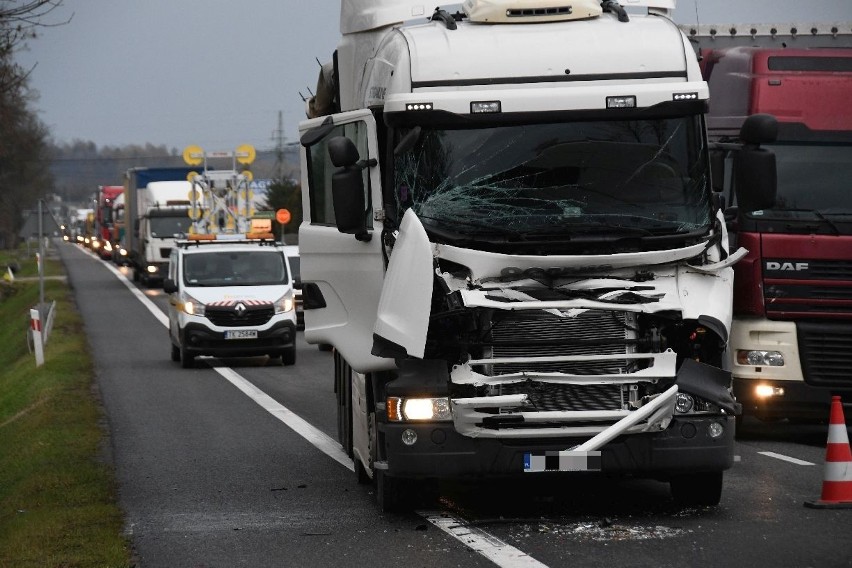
column 104, row 238
column 791, row 339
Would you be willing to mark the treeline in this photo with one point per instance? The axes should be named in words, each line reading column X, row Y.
column 24, row 152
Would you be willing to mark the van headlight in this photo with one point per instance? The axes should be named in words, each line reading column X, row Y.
column 191, row 306
column 284, row 304
column 401, row 409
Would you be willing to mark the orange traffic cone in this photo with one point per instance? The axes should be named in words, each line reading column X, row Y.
column 837, row 483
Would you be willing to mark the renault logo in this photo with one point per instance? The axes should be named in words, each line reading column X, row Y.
column 240, row 309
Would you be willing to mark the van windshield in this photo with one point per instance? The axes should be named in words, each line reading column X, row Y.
column 235, row 268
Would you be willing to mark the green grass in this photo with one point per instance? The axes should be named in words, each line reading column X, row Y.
column 57, row 494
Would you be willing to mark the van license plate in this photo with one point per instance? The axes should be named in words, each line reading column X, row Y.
column 241, row 334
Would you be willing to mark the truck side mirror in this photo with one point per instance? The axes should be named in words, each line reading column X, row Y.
column 169, row 286
column 347, row 187
column 755, row 173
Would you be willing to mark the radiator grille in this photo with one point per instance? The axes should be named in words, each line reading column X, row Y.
column 228, row 316
column 826, row 353
column 549, row 396
column 541, row 334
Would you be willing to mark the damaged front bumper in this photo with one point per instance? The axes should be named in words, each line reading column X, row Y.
column 649, row 439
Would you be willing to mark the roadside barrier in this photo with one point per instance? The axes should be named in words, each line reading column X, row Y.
column 837, row 481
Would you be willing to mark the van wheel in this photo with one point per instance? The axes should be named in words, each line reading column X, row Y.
column 175, row 353
column 187, row 361
column 289, row 357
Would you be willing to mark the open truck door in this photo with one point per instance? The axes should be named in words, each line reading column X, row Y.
column 340, row 237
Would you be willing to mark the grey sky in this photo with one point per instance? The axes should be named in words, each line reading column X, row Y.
column 216, row 72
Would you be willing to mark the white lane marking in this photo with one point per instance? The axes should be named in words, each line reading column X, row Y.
column 320, row 439
column 481, row 542
column 502, row 554
column 782, row 457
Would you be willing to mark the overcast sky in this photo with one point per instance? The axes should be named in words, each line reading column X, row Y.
column 216, row 73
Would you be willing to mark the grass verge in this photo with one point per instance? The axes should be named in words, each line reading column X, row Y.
column 57, row 495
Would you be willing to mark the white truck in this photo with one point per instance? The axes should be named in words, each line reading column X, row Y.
column 512, row 243
column 156, row 212
column 232, row 291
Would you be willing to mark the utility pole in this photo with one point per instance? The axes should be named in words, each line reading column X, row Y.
column 278, row 136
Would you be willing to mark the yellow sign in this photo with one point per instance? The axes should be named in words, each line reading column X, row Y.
column 261, row 225
column 245, row 154
column 193, row 155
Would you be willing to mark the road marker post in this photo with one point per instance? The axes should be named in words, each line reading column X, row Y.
column 35, row 331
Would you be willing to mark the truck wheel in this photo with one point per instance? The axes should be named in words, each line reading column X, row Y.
column 289, row 357
column 392, row 493
column 187, row 361
column 175, row 353
column 697, row 489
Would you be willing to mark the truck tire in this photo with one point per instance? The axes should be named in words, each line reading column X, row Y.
column 289, row 357
column 175, row 353
column 392, row 493
column 697, row 489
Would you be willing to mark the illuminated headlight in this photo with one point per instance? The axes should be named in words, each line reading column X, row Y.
column 684, row 403
column 152, row 269
column 628, row 101
column 191, row 306
column 404, row 409
column 122, row 251
column 108, row 246
column 96, row 243
column 485, row 107
column 767, row 391
column 761, row 358
column 65, row 238
column 284, row 304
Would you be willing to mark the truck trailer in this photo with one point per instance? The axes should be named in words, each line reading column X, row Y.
column 791, row 339
column 512, row 243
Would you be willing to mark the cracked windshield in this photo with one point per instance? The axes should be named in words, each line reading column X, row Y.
column 636, row 178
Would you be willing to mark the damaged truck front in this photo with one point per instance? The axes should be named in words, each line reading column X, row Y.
column 512, row 242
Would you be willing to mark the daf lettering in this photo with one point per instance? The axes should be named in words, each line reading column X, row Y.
column 787, row 266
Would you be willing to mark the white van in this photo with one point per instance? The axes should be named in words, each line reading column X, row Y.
column 230, row 298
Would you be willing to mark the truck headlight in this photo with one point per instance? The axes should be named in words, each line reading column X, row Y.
column 284, row 304
column 401, row 409
column 191, row 306
column 760, row 358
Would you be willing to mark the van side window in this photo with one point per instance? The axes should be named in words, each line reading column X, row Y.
column 320, row 170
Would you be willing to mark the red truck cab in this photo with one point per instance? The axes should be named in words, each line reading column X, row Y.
column 791, row 340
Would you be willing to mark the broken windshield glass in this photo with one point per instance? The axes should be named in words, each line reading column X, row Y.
column 559, row 179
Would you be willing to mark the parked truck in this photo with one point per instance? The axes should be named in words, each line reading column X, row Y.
column 512, row 244
column 156, row 206
column 791, row 340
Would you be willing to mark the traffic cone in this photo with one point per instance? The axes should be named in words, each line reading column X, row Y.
column 837, row 482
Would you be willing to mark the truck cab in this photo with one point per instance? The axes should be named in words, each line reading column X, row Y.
column 230, row 298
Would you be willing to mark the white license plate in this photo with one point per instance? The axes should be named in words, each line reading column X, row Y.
column 566, row 460
column 241, row 334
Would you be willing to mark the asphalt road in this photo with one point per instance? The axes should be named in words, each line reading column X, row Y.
column 234, row 463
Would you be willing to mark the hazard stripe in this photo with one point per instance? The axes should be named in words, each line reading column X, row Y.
column 838, row 472
column 838, row 453
column 837, row 434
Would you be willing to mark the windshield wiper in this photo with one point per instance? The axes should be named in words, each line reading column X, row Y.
column 818, row 214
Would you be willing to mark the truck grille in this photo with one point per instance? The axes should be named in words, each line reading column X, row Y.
column 554, row 397
column 826, row 353
column 540, row 334
column 232, row 315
